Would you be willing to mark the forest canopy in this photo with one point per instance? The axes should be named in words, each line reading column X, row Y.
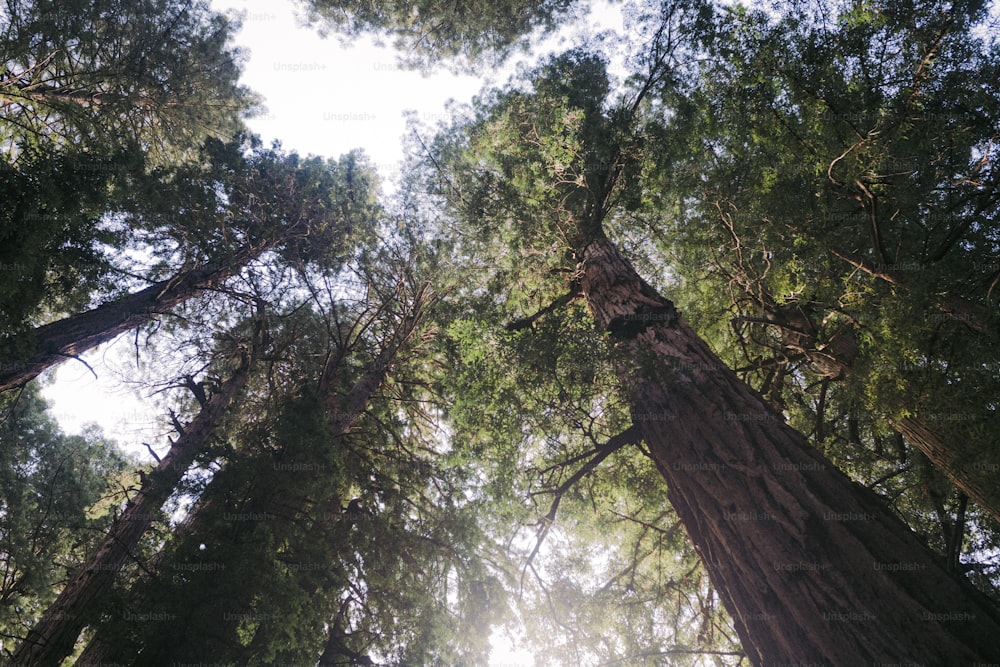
column 679, row 347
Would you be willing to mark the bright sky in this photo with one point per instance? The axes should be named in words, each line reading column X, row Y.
column 321, row 98
column 326, row 99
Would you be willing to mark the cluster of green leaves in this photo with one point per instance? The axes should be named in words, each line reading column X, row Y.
column 91, row 74
column 463, row 35
column 52, row 243
column 57, row 496
column 239, row 198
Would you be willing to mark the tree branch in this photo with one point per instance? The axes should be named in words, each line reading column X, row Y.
column 526, row 322
column 629, row 436
column 77, row 358
column 971, row 314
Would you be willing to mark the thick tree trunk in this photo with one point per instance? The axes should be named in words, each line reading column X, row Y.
column 813, row 568
column 55, row 635
column 57, row 341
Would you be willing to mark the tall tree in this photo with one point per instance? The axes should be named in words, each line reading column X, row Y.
column 204, row 224
column 786, row 537
column 332, row 204
column 605, row 573
column 54, row 636
column 50, row 505
column 276, row 547
column 846, row 202
column 92, row 95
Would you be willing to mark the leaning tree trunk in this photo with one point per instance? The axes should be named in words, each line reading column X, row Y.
column 813, row 568
column 931, row 443
column 343, row 411
column 70, row 337
column 55, row 635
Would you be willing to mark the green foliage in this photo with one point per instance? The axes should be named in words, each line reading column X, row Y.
column 97, row 74
column 239, row 204
column 53, row 245
column 464, row 34
column 48, row 484
column 817, row 138
column 239, row 198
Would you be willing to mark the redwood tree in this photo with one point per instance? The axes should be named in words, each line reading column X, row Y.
column 811, row 567
column 839, row 178
column 55, row 635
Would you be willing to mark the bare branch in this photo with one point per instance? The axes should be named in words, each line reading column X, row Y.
column 629, row 436
column 77, row 358
column 526, row 322
column 152, row 452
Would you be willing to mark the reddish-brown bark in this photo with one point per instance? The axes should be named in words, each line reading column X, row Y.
column 834, row 361
column 813, row 568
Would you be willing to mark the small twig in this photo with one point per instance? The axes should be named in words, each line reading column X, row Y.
column 151, row 452
column 176, row 423
column 73, row 356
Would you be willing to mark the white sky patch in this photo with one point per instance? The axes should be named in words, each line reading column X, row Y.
column 325, row 98
column 506, row 651
column 77, row 398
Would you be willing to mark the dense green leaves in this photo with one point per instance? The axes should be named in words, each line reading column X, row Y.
column 816, row 183
column 53, row 246
column 96, row 73
column 843, row 201
column 461, row 34
column 53, row 489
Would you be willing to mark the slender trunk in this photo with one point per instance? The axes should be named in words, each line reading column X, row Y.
column 57, row 341
column 973, row 478
column 813, row 568
column 930, row 442
column 54, row 636
column 170, row 645
column 99, row 650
